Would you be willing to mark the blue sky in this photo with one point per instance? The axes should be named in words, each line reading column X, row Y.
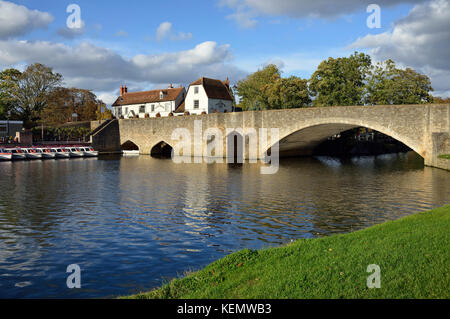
column 119, row 41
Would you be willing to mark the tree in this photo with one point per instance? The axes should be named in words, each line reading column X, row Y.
column 63, row 102
column 340, row 81
column 253, row 89
column 30, row 91
column 287, row 93
column 389, row 85
column 8, row 83
column 440, row 100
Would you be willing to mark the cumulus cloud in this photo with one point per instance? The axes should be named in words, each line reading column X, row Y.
column 246, row 10
column 71, row 33
column 103, row 70
column 421, row 41
column 165, row 31
column 17, row 20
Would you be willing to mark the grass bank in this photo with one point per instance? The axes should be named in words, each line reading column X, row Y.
column 413, row 254
column 445, row 156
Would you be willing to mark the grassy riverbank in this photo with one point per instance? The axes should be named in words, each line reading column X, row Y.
column 413, row 254
column 445, row 156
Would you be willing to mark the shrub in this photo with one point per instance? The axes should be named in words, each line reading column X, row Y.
column 158, row 114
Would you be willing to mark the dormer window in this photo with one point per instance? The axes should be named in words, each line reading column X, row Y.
column 196, row 90
column 161, row 95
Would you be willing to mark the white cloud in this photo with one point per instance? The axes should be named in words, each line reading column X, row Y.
column 71, row 33
column 103, row 70
column 247, row 10
column 165, row 31
column 421, row 41
column 16, row 20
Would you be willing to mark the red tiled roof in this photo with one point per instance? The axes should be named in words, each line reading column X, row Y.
column 148, row 97
column 215, row 89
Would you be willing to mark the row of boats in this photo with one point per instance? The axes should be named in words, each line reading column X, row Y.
column 20, row 153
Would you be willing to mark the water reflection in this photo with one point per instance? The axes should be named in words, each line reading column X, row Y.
column 129, row 222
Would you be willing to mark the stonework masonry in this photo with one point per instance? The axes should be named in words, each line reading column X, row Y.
column 423, row 128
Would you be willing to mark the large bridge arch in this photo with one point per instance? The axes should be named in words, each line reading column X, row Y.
column 301, row 139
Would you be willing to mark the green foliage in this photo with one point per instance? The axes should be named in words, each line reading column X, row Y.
column 340, row 81
column 390, row 85
column 266, row 89
column 412, row 253
column 287, row 93
column 253, row 89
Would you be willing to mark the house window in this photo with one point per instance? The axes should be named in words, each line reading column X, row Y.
column 142, row 109
column 153, row 107
column 196, row 90
column 126, row 111
column 196, row 104
column 119, row 111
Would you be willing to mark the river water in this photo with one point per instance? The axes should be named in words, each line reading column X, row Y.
column 132, row 223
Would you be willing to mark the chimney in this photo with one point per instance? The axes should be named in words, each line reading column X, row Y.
column 227, row 82
column 123, row 90
column 170, row 86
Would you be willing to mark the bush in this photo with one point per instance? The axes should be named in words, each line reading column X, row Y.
column 158, row 114
column 187, row 113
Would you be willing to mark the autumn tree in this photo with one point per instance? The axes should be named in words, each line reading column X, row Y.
column 340, row 81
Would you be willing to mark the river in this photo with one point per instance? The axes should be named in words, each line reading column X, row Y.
column 132, row 223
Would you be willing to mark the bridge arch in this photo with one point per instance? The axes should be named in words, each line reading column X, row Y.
column 303, row 138
column 161, row 150
column 129, row 146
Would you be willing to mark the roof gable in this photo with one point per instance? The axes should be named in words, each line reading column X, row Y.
column 215, row 89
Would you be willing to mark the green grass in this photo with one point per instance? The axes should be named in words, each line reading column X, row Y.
column 445, row 156
column 413, row 254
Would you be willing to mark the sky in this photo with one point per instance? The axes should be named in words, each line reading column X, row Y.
column 151, row 44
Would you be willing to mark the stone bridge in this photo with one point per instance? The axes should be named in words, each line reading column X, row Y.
column 423, row 128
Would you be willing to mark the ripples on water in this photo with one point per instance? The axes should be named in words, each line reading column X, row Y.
column 131, row 222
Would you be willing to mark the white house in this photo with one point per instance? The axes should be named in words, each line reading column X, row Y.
column 207, row 96
column 163, row 101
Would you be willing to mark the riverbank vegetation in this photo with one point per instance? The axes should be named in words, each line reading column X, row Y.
column 412, row 254
column 445, row 156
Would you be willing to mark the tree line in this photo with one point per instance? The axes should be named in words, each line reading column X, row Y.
column 353, row 80
column 37, row 97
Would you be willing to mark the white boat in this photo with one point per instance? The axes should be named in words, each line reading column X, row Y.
column 17, row 153
column 32, row 153
column 47, row 153
column 75, row 152
column 5, row 155
column 130, row 153
column 89, row 152
column 60, row 152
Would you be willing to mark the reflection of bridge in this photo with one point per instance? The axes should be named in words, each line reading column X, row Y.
column 423, row 128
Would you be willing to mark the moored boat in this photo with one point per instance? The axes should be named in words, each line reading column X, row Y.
column 75, row 152
column 5, row 155
column 32, row 153
column 89, row 151
column 17, row 153
column 47, row 153
column 130, row 153
column 60, row 152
